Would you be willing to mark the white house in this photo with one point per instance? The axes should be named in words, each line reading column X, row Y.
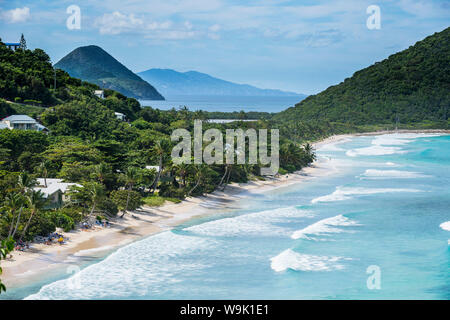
column 100, row 94
column 120, row 116
column 54, row 191
column 21, row 122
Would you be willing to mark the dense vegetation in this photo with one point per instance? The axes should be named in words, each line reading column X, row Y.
column 107, row 157
column 95, row 65
column 410, row 87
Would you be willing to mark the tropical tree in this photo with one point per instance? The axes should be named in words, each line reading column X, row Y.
column 35, row 201
column 13, row 202
column 96, row 193
column 43, row 171
column 6, row 246
column 161, row 151
column 200, row 173
column 130, row 178
column 101, row 172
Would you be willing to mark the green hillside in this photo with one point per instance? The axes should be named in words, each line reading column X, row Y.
column 412, row 86
column 95, row 65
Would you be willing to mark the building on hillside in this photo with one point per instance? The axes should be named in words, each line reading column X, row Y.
column 100, row 94
column 13, row 46
column 120, row 116
column 21, row 122
column 54, row 191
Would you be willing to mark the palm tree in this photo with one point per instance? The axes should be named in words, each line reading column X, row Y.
column 130, row 178
column 182, row 170
column 200, row 173
column 25, row 182
column 96, row 192
column 160, row 149
column 13, row 203
column 35, row 201
column 101, row 171
column 42, row 169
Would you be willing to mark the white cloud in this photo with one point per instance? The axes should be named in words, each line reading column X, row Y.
column 16, row 15
column 117, row 23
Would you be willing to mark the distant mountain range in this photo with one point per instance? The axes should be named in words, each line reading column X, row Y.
column 172, row 83
column 93, row 64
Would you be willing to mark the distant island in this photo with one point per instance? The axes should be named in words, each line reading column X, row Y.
column 95, row 65
column 173, row 83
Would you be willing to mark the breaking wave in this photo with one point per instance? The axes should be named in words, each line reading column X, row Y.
column 252, row 224
column 290, row 259
column 392, row 174
column 324, row 227
column 345, row 193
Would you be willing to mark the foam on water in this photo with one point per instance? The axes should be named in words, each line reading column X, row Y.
column 324, row 227
column 333, row 146
column 391, row 174
column 91, row 251
column 251, row 224
column 133, row 270
column 346, row 193
column 388, row 144
column 445, row 226
column 290, row 259
column 376, row 150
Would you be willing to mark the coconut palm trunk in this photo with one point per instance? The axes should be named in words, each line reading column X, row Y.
column 17, row 223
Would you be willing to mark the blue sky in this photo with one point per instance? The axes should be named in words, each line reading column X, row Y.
column 301, row 46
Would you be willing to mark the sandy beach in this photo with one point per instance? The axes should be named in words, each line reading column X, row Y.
column 96, row 243
column 41, row 259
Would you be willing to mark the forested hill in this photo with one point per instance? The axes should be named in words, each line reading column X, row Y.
column 93, row 64
column 413, row 84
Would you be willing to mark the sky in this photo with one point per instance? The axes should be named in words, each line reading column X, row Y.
column 301, row 46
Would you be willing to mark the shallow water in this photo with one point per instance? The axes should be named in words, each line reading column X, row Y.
column 386, row 205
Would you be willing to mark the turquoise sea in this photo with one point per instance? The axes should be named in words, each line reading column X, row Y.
column 377, row 203
column 225, row 103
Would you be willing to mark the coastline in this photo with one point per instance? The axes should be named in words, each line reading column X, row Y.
column 41, row 260
column 97, row 243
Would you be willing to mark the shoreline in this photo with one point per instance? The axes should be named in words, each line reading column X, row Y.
column 98, row 242
column 40, row 260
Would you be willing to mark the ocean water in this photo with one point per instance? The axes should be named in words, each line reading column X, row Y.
column 225, row 103
column 385, row 206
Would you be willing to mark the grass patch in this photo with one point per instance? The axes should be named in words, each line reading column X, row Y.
column 29, row 110
column 156, row 201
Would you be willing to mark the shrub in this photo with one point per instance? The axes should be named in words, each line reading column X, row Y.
column 108, row 206
column 72, row 212
column 60, row 220
column 172, row 192
column 18, row 99
column 120, row 199
column 156, row 201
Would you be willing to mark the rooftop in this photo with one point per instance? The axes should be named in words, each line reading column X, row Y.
column 53, row 185
column 19, row 117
